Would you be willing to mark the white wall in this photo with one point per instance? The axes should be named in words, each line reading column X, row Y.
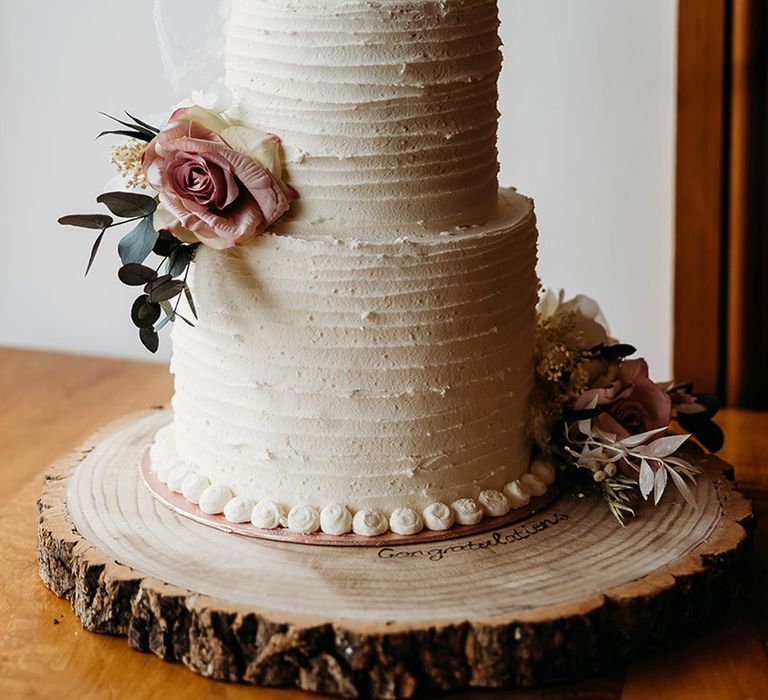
column 588, row 103
column 60, row 64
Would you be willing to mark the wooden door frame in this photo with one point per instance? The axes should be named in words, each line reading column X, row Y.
column 701, row 204
column 721, row 244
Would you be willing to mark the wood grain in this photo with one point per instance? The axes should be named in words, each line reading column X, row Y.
column 40, row 659
column 699, row 212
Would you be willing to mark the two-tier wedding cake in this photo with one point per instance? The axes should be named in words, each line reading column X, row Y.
column 361, row 348
column 366, row 363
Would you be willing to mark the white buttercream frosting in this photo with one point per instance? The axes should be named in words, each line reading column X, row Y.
column 544, row 470
column 193, row 487
column 533, row 485
column 284, row 393
column 467, row 511
column 517, row 494
column 238, row 510
column 178, row 472
column 335, row 520
column 386, row 108
column 369, row 523
column 494, row 503
column 303, row 518
column 162, row 453
column 438, row 516
column 214, row 498
column 267, row 515
column 405, row 521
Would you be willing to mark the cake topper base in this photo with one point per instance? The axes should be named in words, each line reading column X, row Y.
column 487, row 610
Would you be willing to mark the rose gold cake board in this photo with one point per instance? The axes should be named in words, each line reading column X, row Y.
column 560, row 594
column 177, row 503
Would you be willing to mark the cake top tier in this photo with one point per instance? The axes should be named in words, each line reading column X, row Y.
column 386, row 108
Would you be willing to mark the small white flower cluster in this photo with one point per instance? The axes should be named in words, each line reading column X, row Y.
column 565, row 329
column 126, row 157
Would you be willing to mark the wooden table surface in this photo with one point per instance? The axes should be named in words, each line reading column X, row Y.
column 50, row 402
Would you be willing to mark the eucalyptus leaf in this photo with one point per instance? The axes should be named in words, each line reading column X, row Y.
column 617, row 352
column 135, row 275
column 144, row 313
column 138, row 244
column 166, row 244
column 128, row 204
column 711, row 402
column 156, row 282
column 167, row 307
column 91, row 221
column 149, row 339
column 167, row 290
column 94, row 250
column 179, row 259
column 190, row 300
column 176, row 265
column 595, row 349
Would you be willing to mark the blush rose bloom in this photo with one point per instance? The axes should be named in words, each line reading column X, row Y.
column 634, row 403
column 218, row 183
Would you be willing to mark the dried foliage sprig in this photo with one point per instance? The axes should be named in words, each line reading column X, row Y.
column 162, row 292
column 648, row 455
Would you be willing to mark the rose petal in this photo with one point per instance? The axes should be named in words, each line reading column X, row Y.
column 221, row 196
column 260, row 183
column 256, row 144
column 632, row 371
column 209, row 119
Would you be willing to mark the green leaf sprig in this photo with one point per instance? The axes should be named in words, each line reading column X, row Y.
column 160, row 290
column 162, row 293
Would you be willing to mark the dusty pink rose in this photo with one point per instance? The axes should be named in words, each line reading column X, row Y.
column 223, row 196
column 634, row 403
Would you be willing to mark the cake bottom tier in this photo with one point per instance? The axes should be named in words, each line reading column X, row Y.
column 357, row 376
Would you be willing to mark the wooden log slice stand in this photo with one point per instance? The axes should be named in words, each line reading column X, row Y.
column 560, row 595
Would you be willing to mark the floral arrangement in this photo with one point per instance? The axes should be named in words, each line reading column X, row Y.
column 599, row 414
column 201, row 178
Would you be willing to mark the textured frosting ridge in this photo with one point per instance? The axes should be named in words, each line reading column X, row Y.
column 375, row 375
column 386, row 108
